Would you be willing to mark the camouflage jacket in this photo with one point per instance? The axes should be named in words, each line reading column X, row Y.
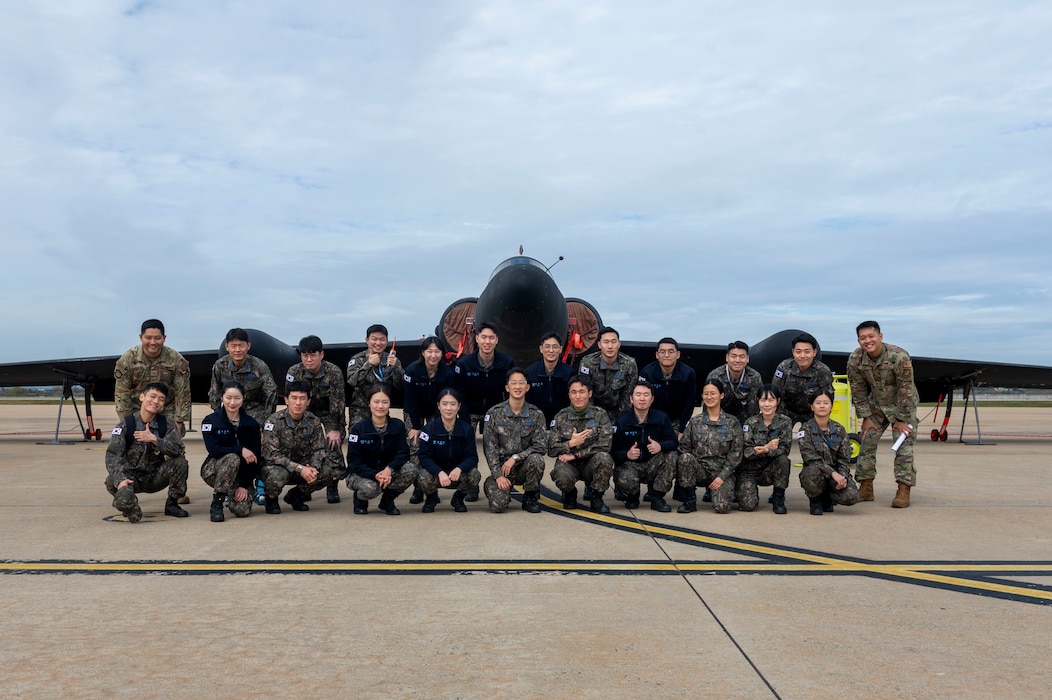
column 289, row 443
column 505, row 433
column 827, row 449
column 716, row 444
column 261, row 393
column 568, row 420
column 884, row 382
column 134, row 370
column 756, row 434
column 739, row 396
column 124, row 461
column 611, row 384
column 798, row 388
column 328, row 399
column 362, row 376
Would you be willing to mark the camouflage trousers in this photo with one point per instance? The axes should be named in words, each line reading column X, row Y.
column 527, row 473
column 866, row 468
column 658, row 472
column 692, row 472
column 221, row 474
column 816, row 482
column 337, row 462
column 275, row 477
column 170, row 474
column 368, row 489
column 595, row 471
column 754, row 473
column 428, row 482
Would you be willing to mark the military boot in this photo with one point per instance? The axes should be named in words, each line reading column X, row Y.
column 570, row 499
column 531, row 501
column 827, row 501
column 332, row 492
column 271, row 506
column 865, row 490
column 417, row 497
column 429, row 503
column 471, row 496
column 657, row 502
column 778, row 501
column 902, row 497
column 171, row 507
column 589, row 494
column 690, row 501
column 597, row 505
column 649, row 495
column 707, row 498
column 216, row 511
column 679, row 493
column 631, row 500
column 815, row 505
column 457, row 501
column 387, row 504
column 295, row 499
column 361, row 506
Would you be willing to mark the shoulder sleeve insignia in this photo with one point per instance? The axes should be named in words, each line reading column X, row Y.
column 778, row 373
column 745, row 428
column 584, row 370
column 352, row 438
column 118, row 430
column 800, row 434
column 407, row 379
column 615, row 427
column 457, row 369
column 289, row 377
column 424, row 436
column 351, row 362
column 268, row 426
column 206, row 427
column 486, row 419
column 552, row 425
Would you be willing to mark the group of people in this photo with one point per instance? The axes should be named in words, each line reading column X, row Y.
column 604, row 422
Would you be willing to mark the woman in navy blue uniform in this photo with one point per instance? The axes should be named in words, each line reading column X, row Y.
column 232, row 439
column 448, row 455
column 424, row 379
column 378, row 456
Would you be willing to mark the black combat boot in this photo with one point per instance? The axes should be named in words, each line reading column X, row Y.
column 827, row 501
column 816, row 506
column 679, row 493
column 598, row 506
column 690, row 501
column 471, row 496
column 216, row 511
column 707, row 498
column 387, row 504
column 430, row 502
column 620, row 495
column 417, row 497
column 531, row 501
column 778, row 501
column 332, row 492
column 295, row 499
column 458, row 501
column 649, row 494
column 361, row 506
column 570, row 499
column 631, row 500
column 589, row 494
column 657, row 502
column 271, row 505
column 171, row 507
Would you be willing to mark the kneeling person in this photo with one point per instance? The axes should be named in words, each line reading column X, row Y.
column 295, row 451
column 145, row 455
column 232, row 439
column 824, row 447
column 378, row 456
column 644, row 450
column 448, row 455
column 514, row 441
column 580, row 439
column 765, row 458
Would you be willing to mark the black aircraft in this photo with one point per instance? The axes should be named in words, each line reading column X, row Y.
column 523, row 301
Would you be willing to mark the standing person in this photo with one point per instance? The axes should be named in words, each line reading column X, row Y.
column 145, row 455
column 579, row 440
column 378, row 461
column 675, row 384
column 480, row 379
column 153, row 361
column 826, row 452
column 252, row 373
column 232, row 439
column 294, row 452
column 644, row 450
column 710, row 451
column 424, row 379
column 765, row 457
column 549, row 378
column 448, row 455
column 328, row 402
column 369, row 368
column 740, row 382
column 612, row 373
column 514, row 441
column 801, row 377
column 883, row 394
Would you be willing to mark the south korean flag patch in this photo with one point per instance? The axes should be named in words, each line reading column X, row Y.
column 456, row 369
column 584, row 370
column 486, row 419
column 351, row 363
column 424, row 436
column 778, row 373
column 352, row 438
column 745, row 428
column 268, row 426
column 289, row 378
column 118, row 430
column 799, row 435
column 206, row 427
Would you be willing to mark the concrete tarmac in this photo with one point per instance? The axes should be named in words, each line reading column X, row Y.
column 951, row 597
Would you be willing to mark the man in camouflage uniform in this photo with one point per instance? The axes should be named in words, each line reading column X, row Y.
column 580, row 438
column 145, row 455
column 740, row 382
column 294, row 451
column 644, row 450
column 261, row 393
column 883, row 394
column 328, row 401
column 153, row 361
column 801, row 377
column 612, row 373
column 369, row 368
column 514, row 441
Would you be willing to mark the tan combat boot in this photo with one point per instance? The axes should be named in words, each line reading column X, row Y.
column 902, row 497
column 865, row 490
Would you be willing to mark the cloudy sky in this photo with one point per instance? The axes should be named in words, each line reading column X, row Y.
column 709, row 170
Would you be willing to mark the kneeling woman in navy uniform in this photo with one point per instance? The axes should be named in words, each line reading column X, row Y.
column 232, row 439
column 448, row 455
column 378, row 456
column 826, row 451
